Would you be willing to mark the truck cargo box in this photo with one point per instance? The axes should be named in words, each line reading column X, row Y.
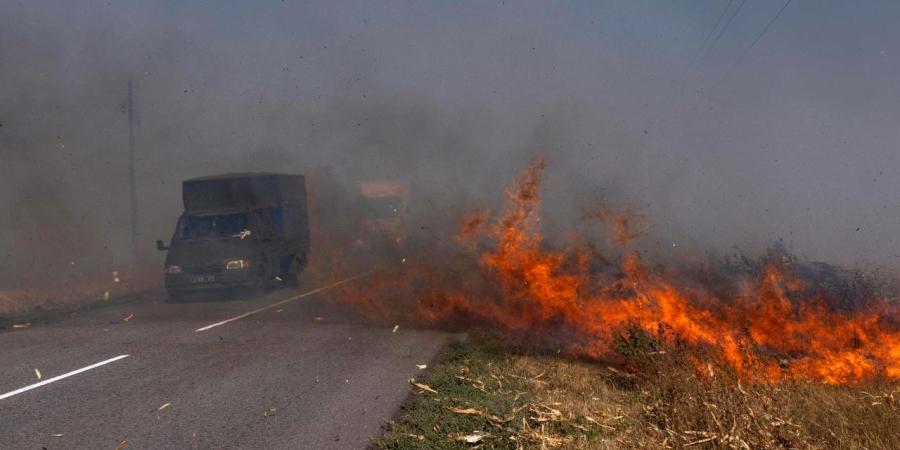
column 245, row 190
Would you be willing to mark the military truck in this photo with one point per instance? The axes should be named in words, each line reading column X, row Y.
column 246, row 230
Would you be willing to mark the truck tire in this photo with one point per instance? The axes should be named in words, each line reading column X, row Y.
column 174, row 297
column 292, row 268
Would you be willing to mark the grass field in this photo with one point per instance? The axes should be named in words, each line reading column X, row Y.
column 486, row 394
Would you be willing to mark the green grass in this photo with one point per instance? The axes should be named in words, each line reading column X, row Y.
column 488, row 381
column 428, row 422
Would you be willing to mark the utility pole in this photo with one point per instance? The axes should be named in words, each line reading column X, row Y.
column 132, row 189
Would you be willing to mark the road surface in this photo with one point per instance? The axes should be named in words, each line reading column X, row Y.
column 303, row 374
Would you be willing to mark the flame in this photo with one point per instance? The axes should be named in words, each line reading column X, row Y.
column 767, row 328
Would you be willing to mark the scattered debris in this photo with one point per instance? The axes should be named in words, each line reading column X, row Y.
column 270, row 412
column 37, row 373
column 422, row 366
column 417, row 437
column 466, row 411
column 396, row 327
column 318, row 319
column 475, row 412
column 473, row 438
column 56, row 435
column 619, row 372
column 128, row 317
column 122, row 444
column 477, row 384
column 277, row 278
column 105, row 296
column 164, row 406
column 243, row 234
column 423, row 387
column 21, row 326
column 115, row 275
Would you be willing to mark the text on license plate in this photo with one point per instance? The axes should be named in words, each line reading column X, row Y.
column 206, row 278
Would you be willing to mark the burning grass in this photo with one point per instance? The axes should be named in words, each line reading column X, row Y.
column 776, row 319
column 600, row 351
column 503, row 397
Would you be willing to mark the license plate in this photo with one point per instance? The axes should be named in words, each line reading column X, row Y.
column 207, row 278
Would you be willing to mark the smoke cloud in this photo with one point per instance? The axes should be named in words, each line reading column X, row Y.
column 798, row 142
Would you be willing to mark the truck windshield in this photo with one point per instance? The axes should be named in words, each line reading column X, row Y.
column 384, row 207
column 212, row 226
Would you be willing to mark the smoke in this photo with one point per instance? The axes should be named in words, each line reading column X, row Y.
column 455, row 98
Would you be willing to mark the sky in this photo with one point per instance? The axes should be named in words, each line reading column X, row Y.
column 622, row 98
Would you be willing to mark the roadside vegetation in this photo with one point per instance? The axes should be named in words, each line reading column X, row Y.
column 66, row 294
column 486, row 394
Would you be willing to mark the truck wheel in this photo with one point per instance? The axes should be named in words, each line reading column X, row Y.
column 291, row 272
column 174, row 297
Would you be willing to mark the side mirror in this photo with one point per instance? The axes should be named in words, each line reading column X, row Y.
column 160, row 246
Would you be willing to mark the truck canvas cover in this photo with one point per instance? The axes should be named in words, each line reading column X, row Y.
column 248, row 190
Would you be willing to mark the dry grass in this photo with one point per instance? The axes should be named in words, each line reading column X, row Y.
column 509, row 399
column 69, row 293
column 690, row 398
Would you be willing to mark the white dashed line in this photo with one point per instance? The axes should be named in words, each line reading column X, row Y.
column 273, row 305
column 60, row 377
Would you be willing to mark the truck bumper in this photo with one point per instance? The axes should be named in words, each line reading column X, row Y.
column 187, row 283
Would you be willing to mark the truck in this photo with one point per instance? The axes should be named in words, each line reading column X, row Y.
column 387, row 203
column 237, row 231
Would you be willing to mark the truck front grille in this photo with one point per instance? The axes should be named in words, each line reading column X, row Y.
column 214, row 268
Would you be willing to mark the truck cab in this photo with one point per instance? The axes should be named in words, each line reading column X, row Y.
column 386, row 207
column 238, row 231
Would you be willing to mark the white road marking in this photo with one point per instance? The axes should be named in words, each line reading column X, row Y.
column 273, row 305
column 60, row 377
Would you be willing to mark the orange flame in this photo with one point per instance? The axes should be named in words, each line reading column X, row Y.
column 771, row 329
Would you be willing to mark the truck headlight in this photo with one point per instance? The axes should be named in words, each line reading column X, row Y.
column 237, row 264
column 173, row 269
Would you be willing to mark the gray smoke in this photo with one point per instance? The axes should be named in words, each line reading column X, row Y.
column 798, row 142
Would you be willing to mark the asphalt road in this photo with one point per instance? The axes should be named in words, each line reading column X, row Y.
column 304, row 374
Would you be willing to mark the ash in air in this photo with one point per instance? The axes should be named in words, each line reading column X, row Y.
column 692, row 136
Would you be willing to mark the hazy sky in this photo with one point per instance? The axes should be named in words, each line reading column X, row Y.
column 799, row 141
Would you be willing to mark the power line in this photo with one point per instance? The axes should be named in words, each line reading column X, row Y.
column 722, row 31
column 716, row 26
column 747, row 51
column 132, row 190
